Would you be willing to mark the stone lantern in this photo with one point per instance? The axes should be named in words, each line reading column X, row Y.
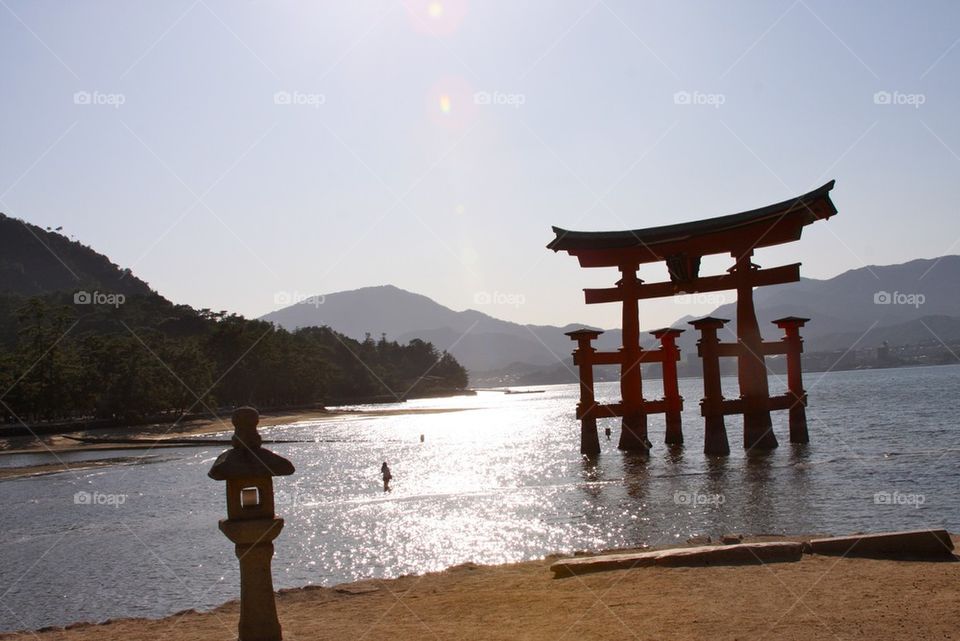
column 251, row 523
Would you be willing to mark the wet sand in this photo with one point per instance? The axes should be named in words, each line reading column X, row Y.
column 57, row 467
column 819, row 597
column 61, row 443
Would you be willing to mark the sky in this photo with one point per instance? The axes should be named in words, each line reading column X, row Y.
column 240, row 155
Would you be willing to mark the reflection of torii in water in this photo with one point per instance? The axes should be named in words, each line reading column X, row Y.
column 681, row 247
column 385, row 473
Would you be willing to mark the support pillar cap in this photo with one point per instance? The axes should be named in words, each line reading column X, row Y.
column 708, row 322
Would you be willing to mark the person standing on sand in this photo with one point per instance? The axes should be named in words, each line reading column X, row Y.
column 385, row 473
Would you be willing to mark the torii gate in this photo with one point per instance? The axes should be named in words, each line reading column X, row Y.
column 681, row 247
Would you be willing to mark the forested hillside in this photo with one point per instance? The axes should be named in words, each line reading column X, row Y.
column 99, row 343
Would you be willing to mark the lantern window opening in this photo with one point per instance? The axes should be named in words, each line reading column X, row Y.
column 250, row 497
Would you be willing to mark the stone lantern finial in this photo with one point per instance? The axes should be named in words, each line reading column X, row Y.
column 248, row 458
column 245, row 434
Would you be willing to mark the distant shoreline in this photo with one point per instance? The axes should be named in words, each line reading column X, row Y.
column 84, row 425
column 608, row 374
column 196, row 427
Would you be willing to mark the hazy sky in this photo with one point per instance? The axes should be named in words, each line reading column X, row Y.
column 238, row 154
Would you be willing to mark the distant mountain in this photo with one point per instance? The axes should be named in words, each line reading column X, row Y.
column 479, row 341
column 926, row 329
column 36, row 261
column 902, row 304
column 890, row 299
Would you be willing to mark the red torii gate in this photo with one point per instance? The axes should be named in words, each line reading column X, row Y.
column 681, row 247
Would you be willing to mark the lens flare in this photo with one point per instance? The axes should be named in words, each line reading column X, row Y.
column 436, row 17
column 449, row 103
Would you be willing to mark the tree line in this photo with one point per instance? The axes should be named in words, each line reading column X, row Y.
column 146, row 357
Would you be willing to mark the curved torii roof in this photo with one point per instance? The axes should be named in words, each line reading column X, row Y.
column 771, row 225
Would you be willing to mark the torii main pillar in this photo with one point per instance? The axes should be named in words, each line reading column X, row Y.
column 633, row 434
column 751, row 369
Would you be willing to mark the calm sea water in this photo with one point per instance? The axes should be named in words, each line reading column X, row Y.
column 500, row 481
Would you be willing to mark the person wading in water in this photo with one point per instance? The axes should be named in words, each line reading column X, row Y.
column 385, row 473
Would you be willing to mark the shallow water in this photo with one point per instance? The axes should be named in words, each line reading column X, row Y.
column 500, row 481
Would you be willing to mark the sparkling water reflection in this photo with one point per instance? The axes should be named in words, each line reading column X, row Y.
column 498, row 480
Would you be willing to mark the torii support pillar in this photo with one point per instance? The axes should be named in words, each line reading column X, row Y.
column 751, row 369
column 633, row 433
column 711, row 407
column 670, row 354
column 586, row 409
column 798, row 411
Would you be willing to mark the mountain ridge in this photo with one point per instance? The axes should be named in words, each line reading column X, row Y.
column 61, row 265
column 845, row 310
column 474, row 337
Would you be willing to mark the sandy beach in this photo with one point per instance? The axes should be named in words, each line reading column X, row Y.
column 820, row 597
